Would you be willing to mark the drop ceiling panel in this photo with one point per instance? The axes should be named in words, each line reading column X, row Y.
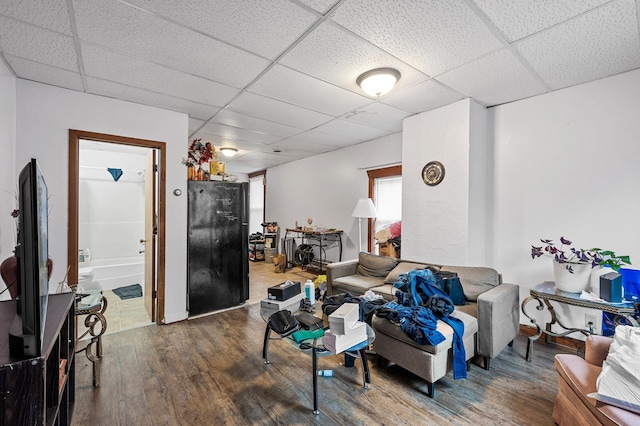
column 37, row 44
column 299, row 89
column 518, row 19
column 235, row 133
column 431, row 35
column 107, row 65
column 380, row 116
column 236, row 119
column 46, row 74
column 295, row 145
column 265, row 28
column 277, row 111
column 131, row 31
column 321, row 6
column 494, row 79
column 594, row 45
column 350, row 129
column 313, row 136
column 337, row 56
column 195, row 124
column 145, row 97
column 423, row 97
column 50, row 14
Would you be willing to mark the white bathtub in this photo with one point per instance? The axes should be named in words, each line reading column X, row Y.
column 115, row 272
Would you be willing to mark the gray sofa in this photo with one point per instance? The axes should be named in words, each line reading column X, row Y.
column 495, row 304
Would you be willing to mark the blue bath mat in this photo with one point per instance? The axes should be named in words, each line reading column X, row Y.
column 128, row 292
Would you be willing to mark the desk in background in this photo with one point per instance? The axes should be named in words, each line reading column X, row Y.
column 323, row 239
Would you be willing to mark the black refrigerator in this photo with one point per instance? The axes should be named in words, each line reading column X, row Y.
column 217, row 246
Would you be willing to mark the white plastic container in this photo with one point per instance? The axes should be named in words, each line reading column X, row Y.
column 310, row 292
column 87, row 255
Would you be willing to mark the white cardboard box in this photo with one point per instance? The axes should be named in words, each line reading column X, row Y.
column 269, row 307
column 337, row 343
column 344, row 318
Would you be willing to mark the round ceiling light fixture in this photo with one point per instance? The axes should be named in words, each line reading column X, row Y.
column 228, row 151
column 379, row 81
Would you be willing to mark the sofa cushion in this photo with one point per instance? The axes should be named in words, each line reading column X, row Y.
column 388, row 291
column 371, row 265
column 383, row 325
column 403, row 268
column 475, row 279
column 355, row 284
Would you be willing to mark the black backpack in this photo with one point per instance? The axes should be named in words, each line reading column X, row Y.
column 283, row 323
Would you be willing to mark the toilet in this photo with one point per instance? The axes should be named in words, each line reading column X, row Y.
column 85, row 279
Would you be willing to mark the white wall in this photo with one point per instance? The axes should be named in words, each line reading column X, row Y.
column 326, row 188
column 44, row 116
column 445, row 223
column 566, row 164
column 7, row 165
column 111, row 214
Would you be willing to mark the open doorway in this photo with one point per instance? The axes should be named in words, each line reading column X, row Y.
column 116, row 210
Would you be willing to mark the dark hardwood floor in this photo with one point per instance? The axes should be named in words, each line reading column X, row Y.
column 209, row 371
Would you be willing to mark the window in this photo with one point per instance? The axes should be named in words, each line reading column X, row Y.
column 256, row 201
column 385, row 189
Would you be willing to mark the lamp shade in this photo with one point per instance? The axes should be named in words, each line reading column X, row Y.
column 364, row 208
column 379, row 81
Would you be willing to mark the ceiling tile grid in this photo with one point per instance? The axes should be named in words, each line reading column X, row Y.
column 332, row 54
column 131, row 31
column 265, row 28
column 280, row 74
column 236, row 119
column 300, row 89
column 110, row 89
column 423, row 97
column 107, row 65
column 431, row 35
column 42, row 73
column 51, row 14
column 37, row 44
column 521, row 18
column 277, row 111
column 494, row 79
column 593, row 45
column 320, row 6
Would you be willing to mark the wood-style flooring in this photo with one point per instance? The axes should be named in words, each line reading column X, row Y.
column 209, row 371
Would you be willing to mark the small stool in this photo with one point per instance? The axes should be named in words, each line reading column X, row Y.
column 93, row 306
column 427, row 361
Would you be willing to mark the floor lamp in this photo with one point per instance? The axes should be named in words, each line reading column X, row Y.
column 364, row 209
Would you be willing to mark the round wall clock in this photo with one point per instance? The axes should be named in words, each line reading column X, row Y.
column 433, row 173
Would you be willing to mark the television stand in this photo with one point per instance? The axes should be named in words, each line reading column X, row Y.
column 40, row 390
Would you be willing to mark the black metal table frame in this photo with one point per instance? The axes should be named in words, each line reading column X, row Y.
column 545, row 293
column 321, row 236
column 96, row 324
column 315, row 350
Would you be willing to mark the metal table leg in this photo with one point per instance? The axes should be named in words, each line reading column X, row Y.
column 314, row 356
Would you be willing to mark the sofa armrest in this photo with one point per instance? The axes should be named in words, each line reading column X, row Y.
column 597, row 349
column 498, row 318
column 340, row 269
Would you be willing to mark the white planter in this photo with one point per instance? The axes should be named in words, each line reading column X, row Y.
column 574, row 282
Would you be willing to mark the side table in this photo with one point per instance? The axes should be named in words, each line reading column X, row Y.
column 93, row 305
column 546, row 292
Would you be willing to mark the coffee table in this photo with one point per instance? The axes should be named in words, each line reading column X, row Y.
column 315, row 348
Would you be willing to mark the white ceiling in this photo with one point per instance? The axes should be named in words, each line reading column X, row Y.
column 276, row 79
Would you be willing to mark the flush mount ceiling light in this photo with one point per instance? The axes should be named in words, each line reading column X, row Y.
column 228, row 151
column 379, row 81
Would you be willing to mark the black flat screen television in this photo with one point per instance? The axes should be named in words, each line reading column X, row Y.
column 27, row 330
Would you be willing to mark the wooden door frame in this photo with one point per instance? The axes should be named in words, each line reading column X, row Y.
column 74, row 180
column 373, row 175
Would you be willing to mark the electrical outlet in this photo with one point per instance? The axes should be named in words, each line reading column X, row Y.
column 590, row 320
